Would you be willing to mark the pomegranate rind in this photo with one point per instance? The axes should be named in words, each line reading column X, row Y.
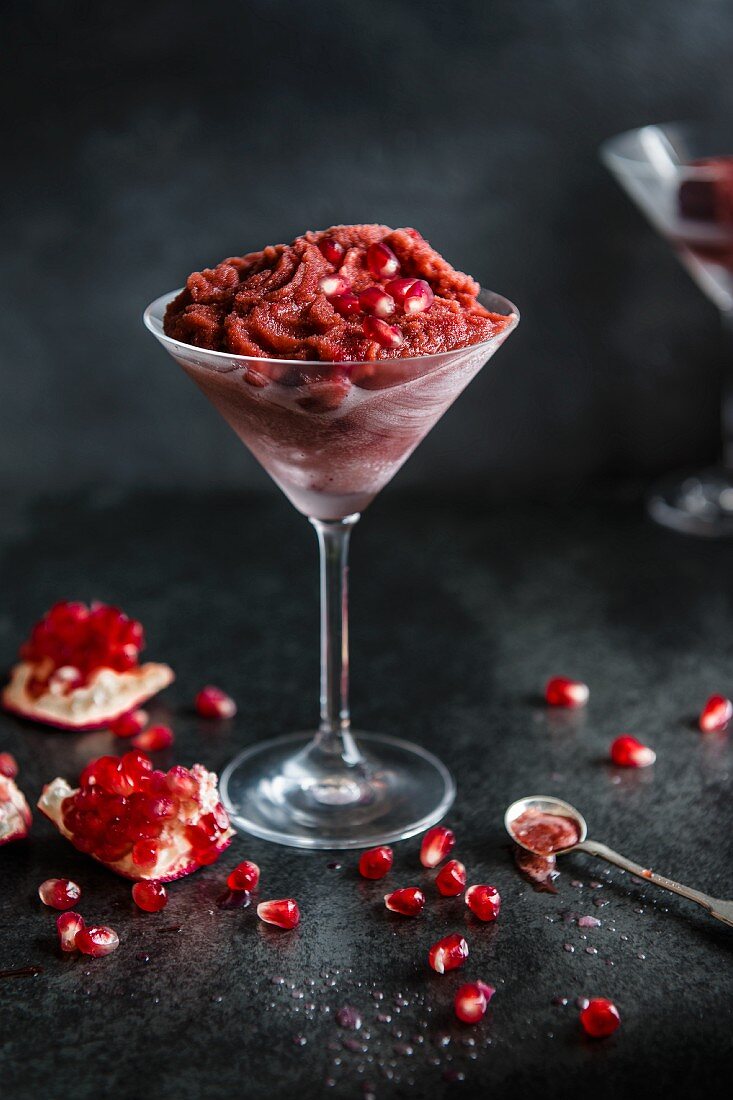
column 177, row 859
column 107, row 696
column 15, row 814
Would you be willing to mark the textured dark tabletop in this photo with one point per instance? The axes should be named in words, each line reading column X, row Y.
column 459, row 613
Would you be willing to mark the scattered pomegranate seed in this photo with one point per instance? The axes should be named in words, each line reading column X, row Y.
column 715, row 715
column 127, row 725
column 448, row 953
column 376, row 862
column 284, row 913
column 212, row 702
column 376, row 301
column 154, row 739
column 382, row 261
column 483, row 901
column 347, row 304
column 562, row 692
column 451, row 879
column 436, row 844
column 150, row 896
column 67, row 926
column 97, row 940
column 398, row 288
column 472, row 1000
column 59, row 893
column 331, row 250
column 389, row 336
column 8, row 765
column 600, row 1018
column 408, row 902
column 333, row 284
column 627, row 752
column 418, row 297
column 245, row 876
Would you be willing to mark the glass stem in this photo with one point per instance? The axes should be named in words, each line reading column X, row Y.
column 334, row 735
column 726, row 395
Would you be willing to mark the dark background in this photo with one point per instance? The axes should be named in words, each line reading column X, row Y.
column 146, row 140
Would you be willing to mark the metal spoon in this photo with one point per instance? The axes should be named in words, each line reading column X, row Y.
column 721, row 910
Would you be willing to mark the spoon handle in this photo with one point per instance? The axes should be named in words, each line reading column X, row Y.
column 721, row 910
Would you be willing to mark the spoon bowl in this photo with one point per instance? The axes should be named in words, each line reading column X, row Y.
column 545, row 804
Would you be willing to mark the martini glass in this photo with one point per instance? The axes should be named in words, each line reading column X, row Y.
column 652, row 164
column 331, row 435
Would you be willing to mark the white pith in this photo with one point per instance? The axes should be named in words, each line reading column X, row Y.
column 15, row 814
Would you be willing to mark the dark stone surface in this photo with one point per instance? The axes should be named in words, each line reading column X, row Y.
column 148, row 140
column 459, row 614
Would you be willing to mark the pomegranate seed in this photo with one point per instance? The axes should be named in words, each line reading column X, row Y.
column 382, row 261
column 627, row 752
column 347, row 304
column 472, row 1000
column 333, row 284
column 179, row 781
column 283, row 913
column 59, row 893
column 448, row 953
column 436, row 844
column 398, row 288
column 154, row 739
column 715, row 716
column 145, row 854
column 212, row 702
column 150, row 896
column 483, row 901
column 451, row 879
column 408, row 902
column 562, row 692
column 376, row 862
column 67, row 926
column 97, row 940
column 331, row 249
column 376, row 301
column 127, row 725
column 600, row 1018
column 418, row 297
column 389, row 336
column 8, row 765
column 245, row 876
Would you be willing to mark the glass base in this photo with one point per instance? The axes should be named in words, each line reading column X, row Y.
column 293, row 791
column 699, row 504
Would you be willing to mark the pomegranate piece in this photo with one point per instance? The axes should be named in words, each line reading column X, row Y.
column 408, row 902
column 389, row 336
column 382, row 261
column 331, row 250
column 376, row 301
column 67, row 926
column 97, row 940
column 448, row 953
column 714, row 717
column 418, row 297
column 127, row 725
column 154, row 739
column 600, row 1018
column 398, row 288
column 376, row 863
column 472, row 1000
column 59, row 893
column 331, row 285
column 451, row 879
column 212, row 702
column 484, row 901
column 150, row 896
column 141, row 822
column 436, row 844
column 562, row 692
column 347, row 304
column 283, row 913
column 80, row 668
column 627, row 752
column 8, row 765
column 245, row 876
column 15, row 815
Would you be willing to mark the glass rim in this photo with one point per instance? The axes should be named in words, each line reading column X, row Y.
column 154, row 325
column 610, row 154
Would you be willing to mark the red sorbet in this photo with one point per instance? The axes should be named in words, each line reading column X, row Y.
column 544, row 833
column 304, row 300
